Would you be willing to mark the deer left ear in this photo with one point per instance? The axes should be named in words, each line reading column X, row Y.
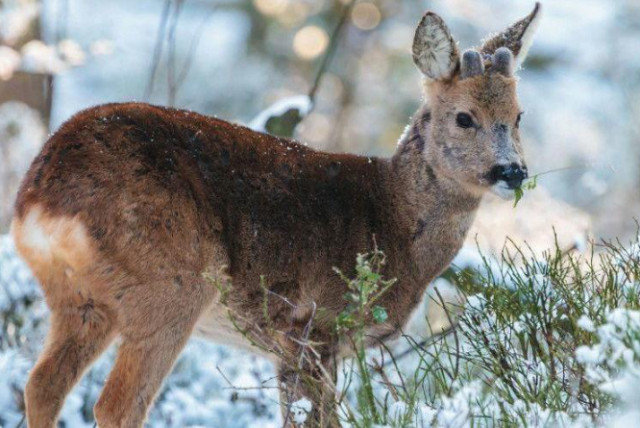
column 517, row 38
column 434, row 50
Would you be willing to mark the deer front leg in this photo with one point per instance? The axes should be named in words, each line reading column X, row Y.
column 314, row 382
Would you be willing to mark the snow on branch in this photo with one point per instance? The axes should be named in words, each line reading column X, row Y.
column 282, row 117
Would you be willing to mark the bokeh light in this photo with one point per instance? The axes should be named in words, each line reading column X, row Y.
column 310, row 41
column 294, row 14
column 366, row 16
column 271, row 7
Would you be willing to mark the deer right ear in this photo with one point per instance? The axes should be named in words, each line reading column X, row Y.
column 517, row 38
column 434, row 51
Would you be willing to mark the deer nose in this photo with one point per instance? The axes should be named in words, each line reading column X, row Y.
column 512, row 174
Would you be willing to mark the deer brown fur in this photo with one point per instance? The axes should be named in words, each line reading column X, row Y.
column 128, row 205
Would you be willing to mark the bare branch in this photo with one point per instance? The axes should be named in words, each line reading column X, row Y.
column 157, row 53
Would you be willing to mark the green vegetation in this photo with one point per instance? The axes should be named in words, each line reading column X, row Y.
column 525, row 349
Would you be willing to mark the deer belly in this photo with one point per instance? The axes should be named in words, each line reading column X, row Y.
column 216, row 325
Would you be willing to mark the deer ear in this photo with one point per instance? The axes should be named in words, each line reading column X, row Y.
column 517, row 38
column 434, row 51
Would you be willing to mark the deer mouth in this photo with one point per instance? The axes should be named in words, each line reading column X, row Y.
column 503, row 190
column 506, row 178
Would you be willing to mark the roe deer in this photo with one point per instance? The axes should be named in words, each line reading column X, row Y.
column 129, row 204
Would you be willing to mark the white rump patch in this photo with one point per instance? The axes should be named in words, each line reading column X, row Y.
column 33, row 234
column 434, row 51
column 41, row 238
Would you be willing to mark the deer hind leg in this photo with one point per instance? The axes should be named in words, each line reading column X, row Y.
column 154, row 329
column 77, row 336
column 140, row 368
column 61, row 255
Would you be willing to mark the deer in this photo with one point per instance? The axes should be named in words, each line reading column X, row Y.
column 128, row 206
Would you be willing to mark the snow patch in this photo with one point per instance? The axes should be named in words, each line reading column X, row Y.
column 300, row 409
column 301, row 103
column 585, row 323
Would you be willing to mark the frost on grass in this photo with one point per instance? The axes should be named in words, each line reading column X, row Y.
column 549, row 341
column 612, row 364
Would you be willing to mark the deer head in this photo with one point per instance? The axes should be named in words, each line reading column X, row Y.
column 473, row 112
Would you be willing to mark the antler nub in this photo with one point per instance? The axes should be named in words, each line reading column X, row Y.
column 472, row 64
column 503, row 62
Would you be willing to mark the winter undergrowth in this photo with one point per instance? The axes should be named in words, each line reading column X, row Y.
column 539, row 341
column 546, row 341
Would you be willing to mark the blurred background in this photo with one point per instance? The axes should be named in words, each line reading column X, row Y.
column 233, row 58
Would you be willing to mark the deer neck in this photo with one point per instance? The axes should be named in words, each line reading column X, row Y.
column 433, row 212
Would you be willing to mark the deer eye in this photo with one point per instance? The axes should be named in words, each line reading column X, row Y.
column 518, row 119
column 464, row 120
